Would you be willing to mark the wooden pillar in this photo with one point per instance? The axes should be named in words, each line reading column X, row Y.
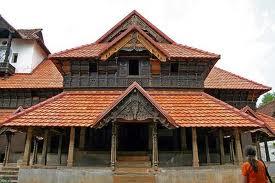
column 195, row 148
column 34, row 152
column 208, row 159
column 183, row 139
column 238, row 148
column 7, row 150
column 258, row 148
column 150, row 141
column 49, row 148
column 26, row 156
column 82, row 138
column 59, row 151
column 70, row 159
column 43, row 160
column 155, row 157
column 267, row 156
column 113, row 146
column 222, row 156
column 231, row 149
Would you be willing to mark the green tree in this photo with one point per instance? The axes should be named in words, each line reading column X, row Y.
column 268, row 97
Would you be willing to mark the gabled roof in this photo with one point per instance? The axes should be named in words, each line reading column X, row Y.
column 81, row 108
column 45, row 75
column 134, row 12
column 268, row 121
column 221, row 79
column 130, row 89
column 170, row 49
column 268, row 109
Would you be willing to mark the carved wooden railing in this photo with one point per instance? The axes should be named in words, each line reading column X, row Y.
column 6, row 68
column 144, row 81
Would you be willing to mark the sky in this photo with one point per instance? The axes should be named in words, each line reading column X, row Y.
column 241, row 31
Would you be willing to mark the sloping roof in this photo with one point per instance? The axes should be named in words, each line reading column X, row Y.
column 268, row 109
column 221, row 79
column 4, row 113
column 81, row 108
column 45, row 75
column 170, row 49
column 134, row 12
column 268, row 120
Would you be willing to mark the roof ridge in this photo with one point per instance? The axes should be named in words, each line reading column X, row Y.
column 199, row 50
column 237, row 111
column 241, row 77
column 134, row 12
column 32, row 108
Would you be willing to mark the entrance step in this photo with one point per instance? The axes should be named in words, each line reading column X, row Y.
column 9, row 173
column 133, row 179
column 133, row 158
column 132, row 171
column 133, row 164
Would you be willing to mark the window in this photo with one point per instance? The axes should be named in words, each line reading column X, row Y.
column 14, row 58
column 133, row 67
column 174, row 67
column 92, row 67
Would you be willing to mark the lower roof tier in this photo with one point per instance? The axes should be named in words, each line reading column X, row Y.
column 85, row 108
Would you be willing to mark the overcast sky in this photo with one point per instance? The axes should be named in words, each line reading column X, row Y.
column 241, row 31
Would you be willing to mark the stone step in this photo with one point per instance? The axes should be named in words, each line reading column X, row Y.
column 132, row 170
column 8, row 172
column 145, row 164
column 133, row 158
column 10, row 168
column 133, row 179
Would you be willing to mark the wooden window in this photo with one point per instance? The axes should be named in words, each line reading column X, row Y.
column 92, row 67
column 174, row 67
column 133, row 67
column 155, row 67
column 14, row 58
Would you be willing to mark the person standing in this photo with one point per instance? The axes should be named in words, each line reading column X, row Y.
column 253, row 170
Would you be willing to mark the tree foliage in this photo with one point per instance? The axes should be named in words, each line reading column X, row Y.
column 268, row 97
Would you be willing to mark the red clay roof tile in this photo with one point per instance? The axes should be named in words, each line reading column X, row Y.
column 45, row 75
column 80, row 108
column 221, row 79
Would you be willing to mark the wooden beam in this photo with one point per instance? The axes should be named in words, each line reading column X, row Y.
column 43, row 160
column 222, row 156
column 82, row 138
column 113, row 146
column 155, row 157
column 26, row 156
column 59, row 151
column 195, row 148
column 183, row 139
column 34, row 152
column 7, row 150
column 258, row 148
column 208, row 159
column 238, row 148
column 70, row 159
column 267, row 156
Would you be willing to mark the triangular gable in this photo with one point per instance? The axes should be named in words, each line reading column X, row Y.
column 134, row 33
column 134, row 18
column 252, row 113
column 134, row 104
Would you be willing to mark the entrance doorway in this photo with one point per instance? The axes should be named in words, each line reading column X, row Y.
column 133, row 137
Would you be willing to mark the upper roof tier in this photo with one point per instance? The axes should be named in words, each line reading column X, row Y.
column 134, row 27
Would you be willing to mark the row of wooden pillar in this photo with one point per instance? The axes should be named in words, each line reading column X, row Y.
column 237, row 156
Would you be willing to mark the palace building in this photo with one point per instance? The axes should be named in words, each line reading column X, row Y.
column 134, row 104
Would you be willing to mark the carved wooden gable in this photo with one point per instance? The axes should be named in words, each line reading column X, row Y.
column 135, row 107
column 136, row 20
column 133, row 41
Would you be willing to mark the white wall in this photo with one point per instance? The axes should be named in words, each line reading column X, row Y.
column 29, row 55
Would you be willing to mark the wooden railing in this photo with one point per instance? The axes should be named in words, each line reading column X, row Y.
column 6, row 68
column 144, row 81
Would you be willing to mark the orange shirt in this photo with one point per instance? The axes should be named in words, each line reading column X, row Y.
column 254, row 177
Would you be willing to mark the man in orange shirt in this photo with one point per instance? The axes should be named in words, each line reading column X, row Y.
column 253, row 171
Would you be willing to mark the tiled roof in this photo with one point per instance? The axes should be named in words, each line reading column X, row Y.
column 4, row 113
column 268, row 109
column 44, row 75
column 268, row 120
column 221, row 79
column 81, row 108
